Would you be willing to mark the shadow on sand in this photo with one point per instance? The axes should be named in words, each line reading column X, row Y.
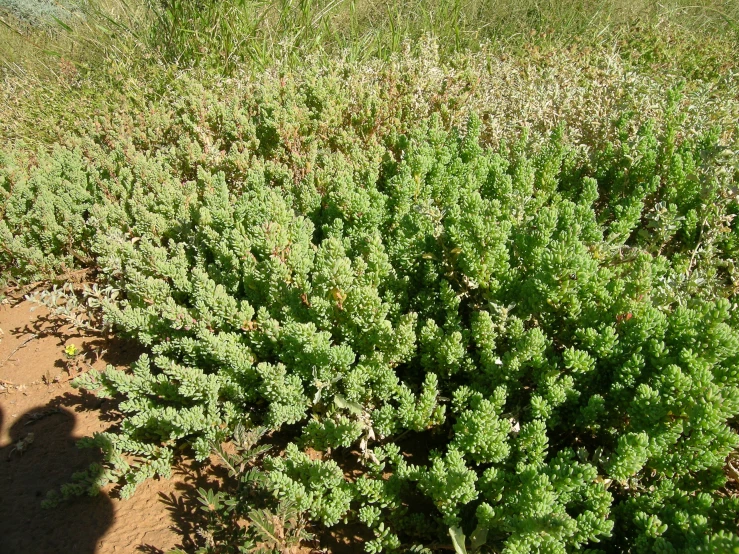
column 25, row 478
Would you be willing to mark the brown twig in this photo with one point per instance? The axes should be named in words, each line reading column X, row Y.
column 695, row 251
column 22, row 345
column 733, row 471
column 35, row 416
column 64, row 276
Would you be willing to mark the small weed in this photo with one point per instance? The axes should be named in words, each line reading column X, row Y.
column 22, row 445
column 71, row 351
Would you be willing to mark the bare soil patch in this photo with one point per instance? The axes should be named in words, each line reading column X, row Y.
column 41, row 418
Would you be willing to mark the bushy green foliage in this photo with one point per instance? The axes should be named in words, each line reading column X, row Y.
column 561, row 328
column 44, row 226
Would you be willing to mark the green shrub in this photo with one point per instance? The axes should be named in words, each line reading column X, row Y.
column 553, row 331
column 45, row 226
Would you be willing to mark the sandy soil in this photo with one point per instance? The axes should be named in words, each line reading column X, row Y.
column 36, row 398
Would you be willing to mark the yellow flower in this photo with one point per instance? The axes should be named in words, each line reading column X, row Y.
column 71, row 350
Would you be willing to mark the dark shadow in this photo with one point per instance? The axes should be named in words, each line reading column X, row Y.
column 27, row 474
column 185, row 519
column 416, row 447
column 149, row 549
column 103, row 345
column 85, row 401
column 47, row 325
column 184, row 507
column 344, row 538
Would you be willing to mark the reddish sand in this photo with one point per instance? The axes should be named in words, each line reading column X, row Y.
column 36, row 397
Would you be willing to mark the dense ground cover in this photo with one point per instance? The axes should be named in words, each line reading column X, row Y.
column 522, row 259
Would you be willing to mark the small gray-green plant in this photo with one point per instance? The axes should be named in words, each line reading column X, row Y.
column 39, row 13
column 65, row 304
